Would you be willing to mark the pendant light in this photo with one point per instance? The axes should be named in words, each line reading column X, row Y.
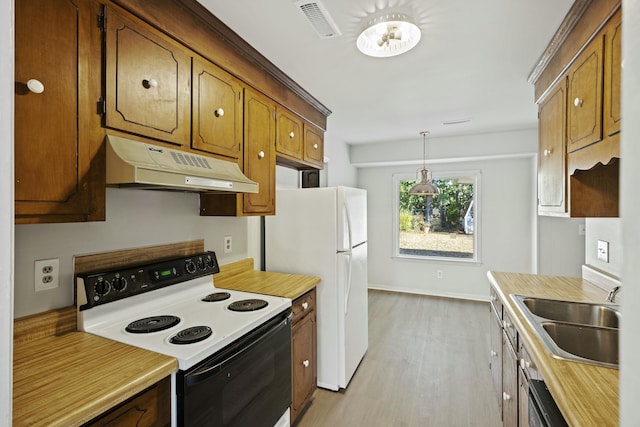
column 425, row 187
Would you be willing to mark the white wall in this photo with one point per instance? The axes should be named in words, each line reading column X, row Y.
column 338, row 169
column 507, row 209
column 609, row 230
column 6, row 212
column 135, row 218
column 630, row 212
column 561, row 248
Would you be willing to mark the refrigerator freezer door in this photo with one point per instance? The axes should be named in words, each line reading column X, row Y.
column 352, row 217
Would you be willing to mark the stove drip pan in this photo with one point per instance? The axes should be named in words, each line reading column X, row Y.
column 191, row 335
column 248, row 305
column 217, row 296
column 152, row 324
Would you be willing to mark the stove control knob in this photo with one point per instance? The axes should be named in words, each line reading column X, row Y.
column 209, row 261
column 119, row 283
column 190, row 266
column 102, row 287
column 200, row 263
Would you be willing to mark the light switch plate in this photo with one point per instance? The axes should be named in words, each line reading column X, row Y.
column 603, row 250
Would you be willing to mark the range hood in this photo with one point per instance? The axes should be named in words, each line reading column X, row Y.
column 143, row 165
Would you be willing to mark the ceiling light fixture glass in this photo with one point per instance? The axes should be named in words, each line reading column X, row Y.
column 388, row 34
column 425, row 187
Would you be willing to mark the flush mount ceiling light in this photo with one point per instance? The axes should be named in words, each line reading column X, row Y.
column 425, row 187
column 388, row 34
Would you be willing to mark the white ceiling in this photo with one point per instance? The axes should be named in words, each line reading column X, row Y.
column 472, row 62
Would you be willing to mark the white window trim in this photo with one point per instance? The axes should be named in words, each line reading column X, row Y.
column 477, row 215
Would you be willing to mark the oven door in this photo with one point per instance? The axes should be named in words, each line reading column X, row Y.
column 248, row 383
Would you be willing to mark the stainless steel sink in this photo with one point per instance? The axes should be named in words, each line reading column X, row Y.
column 572, row 330
column 574, row 312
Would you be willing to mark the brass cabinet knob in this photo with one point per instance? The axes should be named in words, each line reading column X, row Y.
column 219, row 112
column 306, row 363
column 305, row 305
column 578, row 102
column 315, row 146
column 261, row 155
column 291, row 134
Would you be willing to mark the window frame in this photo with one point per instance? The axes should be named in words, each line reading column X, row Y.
column 475, row 175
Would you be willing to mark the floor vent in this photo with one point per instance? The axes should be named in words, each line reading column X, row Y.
column 319, row 18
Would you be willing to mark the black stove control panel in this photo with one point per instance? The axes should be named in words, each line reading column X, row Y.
column 106, row 286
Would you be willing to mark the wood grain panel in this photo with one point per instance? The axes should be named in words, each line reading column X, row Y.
column 127, row 257
column 42, row 325
column 587, row 395
column 70, row 379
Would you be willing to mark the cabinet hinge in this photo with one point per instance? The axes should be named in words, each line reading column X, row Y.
column 102, row 21
column 102, row 106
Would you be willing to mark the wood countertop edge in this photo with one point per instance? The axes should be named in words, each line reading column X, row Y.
column 598, row 400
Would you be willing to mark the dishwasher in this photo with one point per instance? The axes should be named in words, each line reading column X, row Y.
column 543, row 411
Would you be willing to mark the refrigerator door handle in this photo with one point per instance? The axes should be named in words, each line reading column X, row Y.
column 348, row 253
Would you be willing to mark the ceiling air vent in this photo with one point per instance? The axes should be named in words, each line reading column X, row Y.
column 319, row 18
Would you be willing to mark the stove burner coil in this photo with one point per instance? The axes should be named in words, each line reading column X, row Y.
column 248, row 305
column 217, row 296
column 191, row 335
column 152, row 324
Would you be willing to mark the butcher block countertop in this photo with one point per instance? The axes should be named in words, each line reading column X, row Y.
column 62, row 377
column 587, row 395
column 240, row 276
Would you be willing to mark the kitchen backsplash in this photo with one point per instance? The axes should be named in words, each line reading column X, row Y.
column 134, row 218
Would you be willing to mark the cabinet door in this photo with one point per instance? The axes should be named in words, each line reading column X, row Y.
column 584, row 118
column 523, row 399
column 496, row 355
column 216, row 111
column 612, row 75
column 509, row 384
column 259, row 152
column 147, row 81
column 57, row 130
column 304, row 363
column 313, row 146
column 289, row 135
column 551, row 156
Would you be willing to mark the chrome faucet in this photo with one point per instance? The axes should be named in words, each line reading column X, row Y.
column 613, row 292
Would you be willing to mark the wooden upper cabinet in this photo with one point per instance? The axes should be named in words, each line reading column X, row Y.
column 584, row 118
column 313, row 145
column 259, row 153
column 147, row 81
column 612, row 75
column 551, row 155
column 217, row 110
column 289, row 134
column 57, row 129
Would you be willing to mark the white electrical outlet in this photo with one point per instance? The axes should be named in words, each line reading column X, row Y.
column 46, row 273
column 603, row 250
column 228, row 244
column 439, row 274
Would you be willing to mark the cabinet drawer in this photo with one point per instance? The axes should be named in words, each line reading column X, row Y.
column 510, row 329
column 527, row 364
column 496, row 304
column 303, row 305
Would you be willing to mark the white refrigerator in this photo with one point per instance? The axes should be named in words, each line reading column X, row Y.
column 323, row 232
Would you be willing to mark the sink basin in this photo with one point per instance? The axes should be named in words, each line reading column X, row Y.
column 592, row 343
column 571, row 330
column 574, row 312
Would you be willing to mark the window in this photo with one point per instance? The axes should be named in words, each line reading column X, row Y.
column 444, row 226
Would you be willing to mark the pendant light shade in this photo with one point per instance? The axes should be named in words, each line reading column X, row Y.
column 425, row 187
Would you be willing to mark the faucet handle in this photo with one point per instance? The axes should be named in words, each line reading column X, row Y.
column 611, row 297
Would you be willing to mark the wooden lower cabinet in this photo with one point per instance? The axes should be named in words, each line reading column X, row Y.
column 150, row 408
column 509, row 384
column 304, row 353
column 495, row 361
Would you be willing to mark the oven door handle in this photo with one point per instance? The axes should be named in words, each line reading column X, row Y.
column 207, row 371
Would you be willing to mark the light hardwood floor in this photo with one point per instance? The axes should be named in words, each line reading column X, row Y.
column 427, row 365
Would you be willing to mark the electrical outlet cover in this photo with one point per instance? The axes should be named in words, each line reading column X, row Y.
column 46, row 274
column 603, row 250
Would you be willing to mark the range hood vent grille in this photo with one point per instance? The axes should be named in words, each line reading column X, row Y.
column 318, row 16
column 143, row 165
